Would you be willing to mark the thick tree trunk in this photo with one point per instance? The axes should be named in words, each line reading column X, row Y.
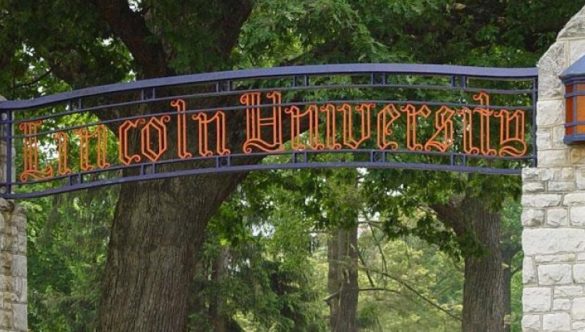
column 343, row 280
column 158, row 228
column 483, row 290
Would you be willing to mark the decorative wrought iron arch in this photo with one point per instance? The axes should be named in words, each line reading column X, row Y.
column 428, row 117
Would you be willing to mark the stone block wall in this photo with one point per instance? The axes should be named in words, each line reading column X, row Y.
column 13, row 275
column 554, row 202
column 13, row 285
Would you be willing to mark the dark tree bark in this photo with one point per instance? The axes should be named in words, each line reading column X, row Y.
column 507, row 294
column 159, row 226
column 508, row 254
column 131, row 28
column 216, row 316
column 158, row 229
column 483, row 290
column 342, row 281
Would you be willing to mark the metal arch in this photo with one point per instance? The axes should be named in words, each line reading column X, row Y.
column 452, row 160
column 357, row 68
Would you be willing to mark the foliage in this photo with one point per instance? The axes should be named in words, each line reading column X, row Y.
column 66, row 255
column 268, row 280
column 410, row 272
column 51, row 46
column 281, row 223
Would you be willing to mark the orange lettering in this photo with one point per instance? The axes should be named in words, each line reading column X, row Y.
column 511, row 132
column 484, row 123
column 330, row 130
column 468, row 146
column 182, row 152
column 295, row 127
column 123, row 154
column 411, row 123
column 62, row 147
column 386, row 118
column 101, row 133
column 30, row 149
column 348, row 137
column 220, row 130
column 255, row 122
column 161, row 133
column 443, row 125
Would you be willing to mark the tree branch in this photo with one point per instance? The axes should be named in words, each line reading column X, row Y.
column 417, row 293
column 370, row 279
column 34, row 81
column 370, row 289
column 450, row 215
column 379, row 246
column 234, row 14
column 130, row 27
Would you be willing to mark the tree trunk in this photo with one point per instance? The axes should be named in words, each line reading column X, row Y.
column 158, row 228
column 508, row 254
column 342, row 280
column 483, row 289
column 216, row 316
column 507, row 292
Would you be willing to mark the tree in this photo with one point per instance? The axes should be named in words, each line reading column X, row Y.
column 67, row 246
column 341, row 206
column 256, row 271
column 343, row 279
column 511, row 255
column 484, row 277
column 507, row 43
column 399, row 293
column 155, row 237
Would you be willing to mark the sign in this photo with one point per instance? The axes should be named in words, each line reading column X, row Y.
column 84, row 142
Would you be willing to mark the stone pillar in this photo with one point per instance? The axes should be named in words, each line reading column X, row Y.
column 554, row 202
column 13, row 288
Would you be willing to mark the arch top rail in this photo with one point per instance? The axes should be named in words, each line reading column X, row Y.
column 259, row 73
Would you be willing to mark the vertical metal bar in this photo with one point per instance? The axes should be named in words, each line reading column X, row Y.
column 9, row 133
column 453, row 81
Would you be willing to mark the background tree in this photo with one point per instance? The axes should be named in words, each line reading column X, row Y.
column 156, row 237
